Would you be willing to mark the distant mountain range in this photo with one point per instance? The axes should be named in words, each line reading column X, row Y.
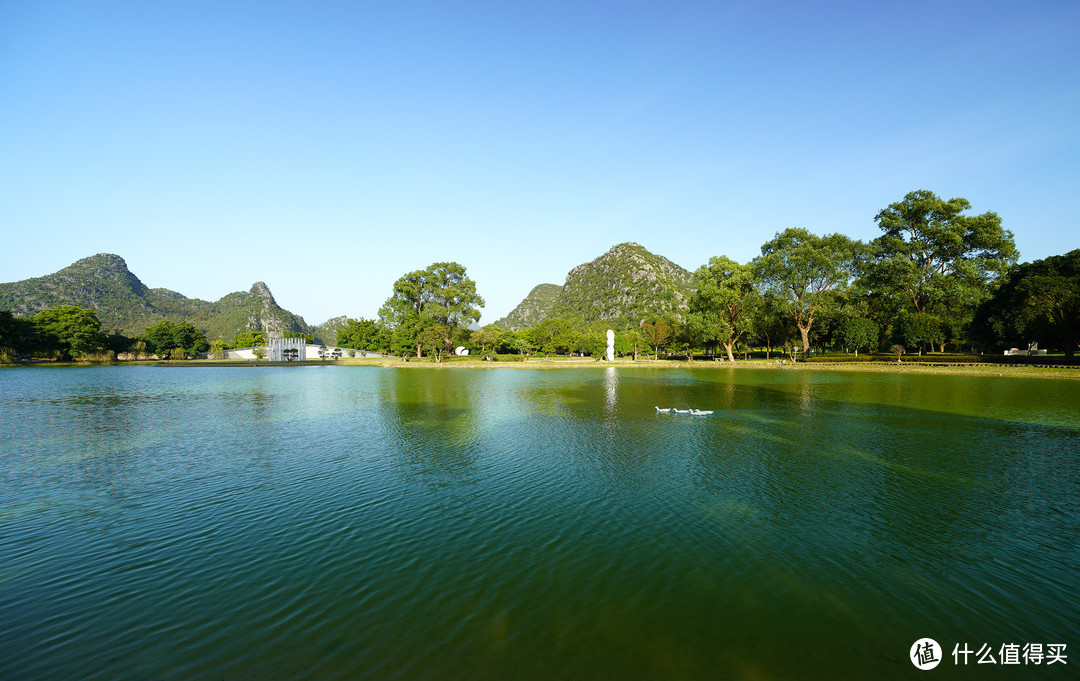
column 628, row 282
column 121, row 301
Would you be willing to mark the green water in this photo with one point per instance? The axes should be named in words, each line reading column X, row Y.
column 357, row 522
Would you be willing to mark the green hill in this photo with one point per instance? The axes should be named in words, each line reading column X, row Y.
column 326, row 332
column 627, row 283
column 536, row 306
column 104, row 284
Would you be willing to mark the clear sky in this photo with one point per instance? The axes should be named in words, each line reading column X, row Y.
column 328, row 148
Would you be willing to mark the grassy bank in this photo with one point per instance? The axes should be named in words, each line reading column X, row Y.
column 926, row 366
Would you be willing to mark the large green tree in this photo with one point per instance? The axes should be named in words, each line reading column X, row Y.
column 363, row 334
column 724, row 302
column 935, row 258
column 165, row 336
column 552, row 336
column 16, row 336
column 806, row 272
column 918, row 329
column 454, row 302
column 856, row 333
column 67, row 331
column 1037, row 302
column 440, row 295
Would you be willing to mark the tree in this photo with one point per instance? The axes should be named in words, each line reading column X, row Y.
column 16, row 336
column 725, row 301
column 806, row 271
column 522, row 342
column 632, row 340
column 68, row 331
column 897, row 350
column 432, row 338
column 657, row 334
column 454, row 301
column 491, row 339
column 249, row 339
column 139, row 349
column 917, row 329
column 217, row 349
column 858, row 333
column 165, row 336
column 440, row 295
column 932, row 256
column 1038, row 301
column 699, row 331
column 116, row 343
column 552, row 336
column 363, row 334
column 774, row 327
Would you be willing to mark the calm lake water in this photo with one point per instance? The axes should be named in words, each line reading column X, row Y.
column 358, row 522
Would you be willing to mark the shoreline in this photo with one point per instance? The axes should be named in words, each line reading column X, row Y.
column 972, row 369
column 965, row 369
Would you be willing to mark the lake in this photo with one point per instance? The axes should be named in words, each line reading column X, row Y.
column 362, row 522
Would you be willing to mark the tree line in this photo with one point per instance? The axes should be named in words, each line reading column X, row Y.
column 935, row 278
column 68, row 332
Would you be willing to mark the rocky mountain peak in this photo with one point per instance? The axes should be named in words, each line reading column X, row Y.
column 102, row 261
column 261, row 290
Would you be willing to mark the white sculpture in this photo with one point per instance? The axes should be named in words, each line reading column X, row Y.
column 610, row 345
column 461, row 351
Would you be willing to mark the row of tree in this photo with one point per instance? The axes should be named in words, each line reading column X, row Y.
column 68, row 332
column 935, row 277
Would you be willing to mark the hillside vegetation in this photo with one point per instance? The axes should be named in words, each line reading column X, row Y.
column 627, row 283
column 122, row 302
column 534, row 309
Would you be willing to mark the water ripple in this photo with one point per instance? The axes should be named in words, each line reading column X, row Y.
column 350, row 523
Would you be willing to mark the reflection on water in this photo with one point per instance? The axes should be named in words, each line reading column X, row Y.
column 351, row 522
column 611, row 383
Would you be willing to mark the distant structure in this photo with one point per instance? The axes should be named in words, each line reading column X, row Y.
column 1032, row 350
column 461, row 351
column 610, row 345
column 276, row 348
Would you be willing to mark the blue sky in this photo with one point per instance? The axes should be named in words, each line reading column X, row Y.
column 329, row 148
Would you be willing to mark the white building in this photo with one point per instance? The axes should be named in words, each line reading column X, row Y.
column 305, row 351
